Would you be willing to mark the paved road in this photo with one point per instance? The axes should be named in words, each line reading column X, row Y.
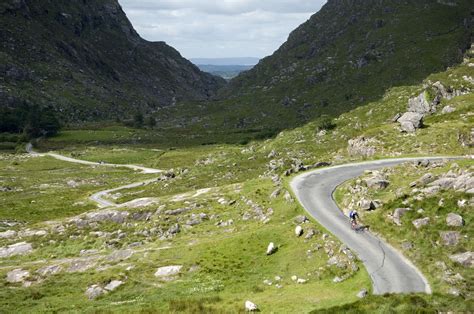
column 99, row 196
column 389, row 270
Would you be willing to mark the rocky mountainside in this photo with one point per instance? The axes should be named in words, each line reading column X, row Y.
column 84, row 59
column 347, row 55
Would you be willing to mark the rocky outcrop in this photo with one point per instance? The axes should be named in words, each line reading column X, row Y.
column 21, row 248
column 168, row 273
column 17, row 275
column 362, row 146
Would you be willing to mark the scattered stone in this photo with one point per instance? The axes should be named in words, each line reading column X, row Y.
column 250, row 306
column 397, row 215
column 301, row 281
column 17, row 275
column 466, row 259
column 301, row 219
column 448, row 109
column 450, row 238
column 94, row 292
column 362, row 293
column 310, row 234
column 49, row 270
column 454, row 220
column 20, row 248
column 8, row 234
column 267, row 282
column 418, row 223
column 114, row 284
column 406, row 245
column 362, row 146
column 377, row 182
column 337, row 279
column 420, row 105
column 410, row 121
column 81, row 265
column 276, row 193
column 168, row 272
column 288, row 197
column 174, row 229
column 120, row 255
column 271, row 248
column 298, row 231
column 366, row 204
column 294, row 278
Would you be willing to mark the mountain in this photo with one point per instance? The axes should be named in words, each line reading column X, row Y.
column 346, row 55
column 85, row 60
column 225, row 71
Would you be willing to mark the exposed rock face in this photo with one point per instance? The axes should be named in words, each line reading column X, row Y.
column 466, row 259
column 420, row 105
column 168, row 273
column 362, row 146
column 17, row 275
column 21, row 248
column 454, row 220
column 8, row 234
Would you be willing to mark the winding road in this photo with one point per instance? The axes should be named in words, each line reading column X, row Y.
column 389, row 270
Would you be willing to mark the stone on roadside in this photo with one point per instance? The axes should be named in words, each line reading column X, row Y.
column 454, row 220
column 17, row 275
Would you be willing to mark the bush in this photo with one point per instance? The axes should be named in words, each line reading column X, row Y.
column 325, row 123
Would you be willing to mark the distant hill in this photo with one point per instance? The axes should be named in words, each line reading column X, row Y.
column 225, row 61
column 225, row 71
column 84, row 60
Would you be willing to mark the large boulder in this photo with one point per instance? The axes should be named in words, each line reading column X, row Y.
column 377, row 183
column 410, row 121
column 450, row 238
column 454, row 220
column 107, row 215
column 466, row 259
column 420, row 105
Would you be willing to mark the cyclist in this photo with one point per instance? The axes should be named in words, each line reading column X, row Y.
column 353, row 215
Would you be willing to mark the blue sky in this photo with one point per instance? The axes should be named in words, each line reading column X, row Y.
column 219, row 28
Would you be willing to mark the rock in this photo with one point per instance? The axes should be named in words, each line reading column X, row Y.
column 448, row 109
column 337, row 279
column 454, row 220
column 450, row 238
column 8, row 234
column 179, row 211
column 288, row 197
column 49, row 270
column 466, row 259
column 276, row 193
column 120, row 255
column 114, row 284
column 94, row 292
column 72, row 184
column 420, row 105
column 17, row 275
column 107, row 215
column 406, row 245
column 426, row 178
column 362, row 146
column 377, row 182
column 20, row 248
column 366, row 204
column 444, row 183
column 32, row 233
column 301, row 219
column 267, row 282
column 410, row 121
column 301, row 281
column 250, row 306
column 294, row 278
column 174, row 229
column 168, row 272
column 418, row 223
column 298, row 231
column 271, row 248
column 81, row 265
column 396, row 117
column 310, row 234
column 362, row 293
column 398, row 213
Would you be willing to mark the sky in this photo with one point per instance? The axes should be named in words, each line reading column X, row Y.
column 219, row 28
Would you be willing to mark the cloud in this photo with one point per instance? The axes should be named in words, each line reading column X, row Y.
column 219, row 28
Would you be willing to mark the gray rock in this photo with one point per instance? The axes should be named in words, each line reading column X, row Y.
column 174, row 229
column 418, row 223
column 20, row 248
column 454, row 220
column 377, row 182
column 298, row 231
column 94, row 292
column 366, row 204
column 120, row 255
column 466, row 259
column 81, row 265
column 310, row 234
column 362, row 293
column 276, row 193
column 168, row 273
column 426, row 178
column 114, row 284
column 288, row 197
column 444, row 183
column 301, row 219
column 178, row 211
column 398, row 213
column 410, row 121
column 107, row 215
column 420, row 105
column 8, row 234
column 17, row 275
column 396, row 117
column 450, row 238
column 362, row 146
column 250, row 306
column 448, row 109
column 271, row 248
column 49, row 270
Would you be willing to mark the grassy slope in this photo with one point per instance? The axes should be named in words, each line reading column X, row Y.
column 217, row 251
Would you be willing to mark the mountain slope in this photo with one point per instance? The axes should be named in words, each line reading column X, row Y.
column 348, row 54
column 85, row 59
